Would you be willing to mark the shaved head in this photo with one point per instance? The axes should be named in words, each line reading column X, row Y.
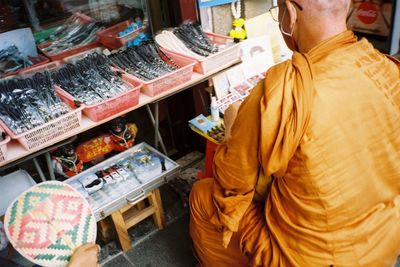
column 326, row 7
column 312, row 21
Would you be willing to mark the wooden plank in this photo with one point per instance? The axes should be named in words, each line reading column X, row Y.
column 158, row 216
column 106, row 229
column 121, row 230
column 139, row 216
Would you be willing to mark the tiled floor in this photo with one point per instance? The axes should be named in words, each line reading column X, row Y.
column 170, row 247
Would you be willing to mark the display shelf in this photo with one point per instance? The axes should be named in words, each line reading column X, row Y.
column 15, row 151
column 112, row 196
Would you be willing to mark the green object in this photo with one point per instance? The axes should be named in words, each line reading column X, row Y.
column 44, row 34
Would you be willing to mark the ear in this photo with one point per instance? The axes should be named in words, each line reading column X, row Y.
column 291, row 9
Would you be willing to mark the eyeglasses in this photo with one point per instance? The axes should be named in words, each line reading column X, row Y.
column 274, row 10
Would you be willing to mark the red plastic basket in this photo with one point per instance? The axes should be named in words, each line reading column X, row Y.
column 3, row 148
column 73, row 50
column 170, row 80
column 110, row 38
column 108, row 107
column 37, row 61
column 52, row 131
column 225, row 57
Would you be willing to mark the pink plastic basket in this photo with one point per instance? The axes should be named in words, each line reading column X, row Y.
column 49, row 67
column 74, row 58
column 74, row 50
column 108, row 107
column 110, row 39
column 225, row 57
column 170, row 80
column 3, row 148
column 52, row 131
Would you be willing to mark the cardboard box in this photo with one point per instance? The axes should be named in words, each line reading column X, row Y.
column 373, row 17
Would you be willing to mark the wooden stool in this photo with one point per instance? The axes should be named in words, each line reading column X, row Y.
column 132, row 214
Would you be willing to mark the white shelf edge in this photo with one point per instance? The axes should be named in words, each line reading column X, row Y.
column 16, row 152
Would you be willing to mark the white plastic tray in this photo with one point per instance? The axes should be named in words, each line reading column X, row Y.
column 115, row 196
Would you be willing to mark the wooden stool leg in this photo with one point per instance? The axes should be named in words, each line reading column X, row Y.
column 141, row 205
column 158, row 216
column 121, row 229
column 105, row 228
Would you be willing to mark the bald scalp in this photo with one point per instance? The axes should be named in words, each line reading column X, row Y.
column 326, row 7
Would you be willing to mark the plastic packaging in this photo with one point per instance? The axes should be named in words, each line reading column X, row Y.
column 214, row 109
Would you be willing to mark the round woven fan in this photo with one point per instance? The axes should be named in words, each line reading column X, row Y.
column 47, row 222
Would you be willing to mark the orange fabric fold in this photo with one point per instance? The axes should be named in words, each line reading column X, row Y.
column 325, row 126
column 271, row 137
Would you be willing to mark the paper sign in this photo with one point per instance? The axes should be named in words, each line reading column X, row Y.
column 221, row 85
column 256, row 55
column 235, row 75
column 263, row 25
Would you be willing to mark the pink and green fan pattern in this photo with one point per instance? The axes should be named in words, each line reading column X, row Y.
column 47, row 222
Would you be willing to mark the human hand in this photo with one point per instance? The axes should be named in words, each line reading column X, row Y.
column 230, row 116
column 85, row 256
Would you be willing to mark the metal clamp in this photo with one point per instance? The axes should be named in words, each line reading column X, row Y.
column 134, row 200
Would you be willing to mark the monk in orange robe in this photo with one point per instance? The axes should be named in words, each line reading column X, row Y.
column 325, row 126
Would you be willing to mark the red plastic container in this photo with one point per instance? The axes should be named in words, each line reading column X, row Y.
column 108, row 107
column 211, row 148
column 110, row 38
column 170, row 80
column 225, row 57
column 52, row 131
column 37, row 61
column 73, row 50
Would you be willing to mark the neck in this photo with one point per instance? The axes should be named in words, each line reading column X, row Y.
column 308, row 40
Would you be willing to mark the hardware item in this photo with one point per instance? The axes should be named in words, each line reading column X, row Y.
column 29, row 103
column 11, row 59
column 144, row 61
column 73, row 33
column 188, row 39
column 90, row 80
column 195, row 39
column 91, row 183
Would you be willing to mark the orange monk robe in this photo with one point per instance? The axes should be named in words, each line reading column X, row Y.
column 326, row 126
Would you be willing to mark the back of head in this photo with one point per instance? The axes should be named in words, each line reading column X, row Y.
column 313, row 21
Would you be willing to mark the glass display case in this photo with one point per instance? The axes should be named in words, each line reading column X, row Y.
column 46, row 14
